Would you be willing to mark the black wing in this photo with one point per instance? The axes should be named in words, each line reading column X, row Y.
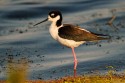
column 72, row 32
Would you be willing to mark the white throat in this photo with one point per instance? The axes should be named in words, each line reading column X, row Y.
column 54, row 30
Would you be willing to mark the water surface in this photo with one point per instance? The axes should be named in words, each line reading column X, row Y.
column 47, row 58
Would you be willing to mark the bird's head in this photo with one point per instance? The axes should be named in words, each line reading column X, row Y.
column 53, row 16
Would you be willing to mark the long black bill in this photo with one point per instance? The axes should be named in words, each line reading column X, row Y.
column 41, row 22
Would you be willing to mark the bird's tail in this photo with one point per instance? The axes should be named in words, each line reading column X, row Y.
column 102, row 36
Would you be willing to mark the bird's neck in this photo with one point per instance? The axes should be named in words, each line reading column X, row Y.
column 54, row 30
column 56, row 23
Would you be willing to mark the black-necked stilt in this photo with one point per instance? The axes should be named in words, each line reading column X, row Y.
column 69, row 35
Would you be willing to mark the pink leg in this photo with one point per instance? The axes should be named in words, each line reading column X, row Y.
column 75, row 61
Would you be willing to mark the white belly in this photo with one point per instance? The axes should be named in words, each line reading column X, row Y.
column 70, row 43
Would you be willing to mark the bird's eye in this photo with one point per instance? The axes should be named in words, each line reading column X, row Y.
column 52, row 15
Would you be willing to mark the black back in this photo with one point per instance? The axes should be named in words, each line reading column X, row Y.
column 72, row 32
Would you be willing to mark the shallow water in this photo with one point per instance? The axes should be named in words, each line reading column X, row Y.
column 47, row 58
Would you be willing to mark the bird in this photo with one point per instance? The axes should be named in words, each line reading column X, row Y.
column 69, row 35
